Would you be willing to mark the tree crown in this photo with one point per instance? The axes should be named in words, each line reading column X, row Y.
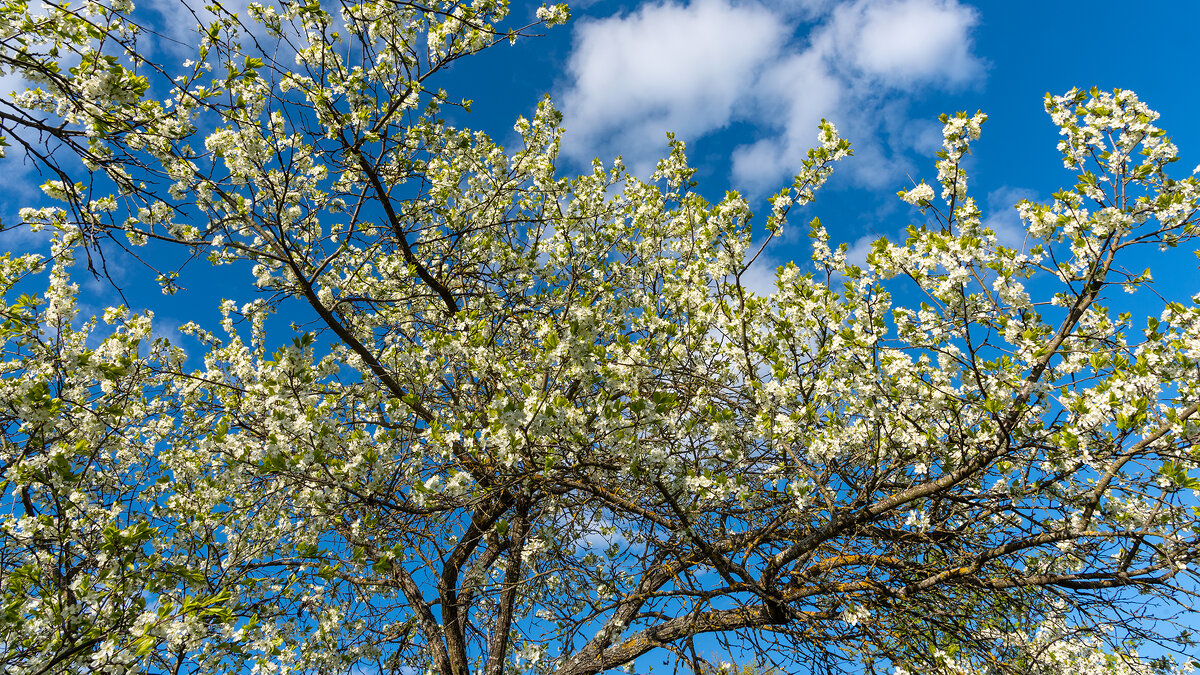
column 539, row 423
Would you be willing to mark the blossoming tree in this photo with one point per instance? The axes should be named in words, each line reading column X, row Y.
column 531, row 423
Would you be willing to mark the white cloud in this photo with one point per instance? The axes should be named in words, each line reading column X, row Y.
column 20, row 175
column 780, row 67
column 795, row 93
column 760, row 277
column 907, row 41
column 20, row 239
column 805, row 10
column 665, row 67
column 1001, row 216
column 856, row 254
column 179, row 24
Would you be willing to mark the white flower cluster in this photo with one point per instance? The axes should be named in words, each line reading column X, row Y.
column 957, row 133
column 920, row 195
column 553, row 15
column 855, row 615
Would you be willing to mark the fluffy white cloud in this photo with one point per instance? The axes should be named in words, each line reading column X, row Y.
column 780, row 67
column 681, row 68
column 908, row 41
column 858, row 250
column 792, row 96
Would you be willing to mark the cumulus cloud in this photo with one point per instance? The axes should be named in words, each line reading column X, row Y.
column 667, row 66
column 909, row 41
column 778, row 67
column 795, row 93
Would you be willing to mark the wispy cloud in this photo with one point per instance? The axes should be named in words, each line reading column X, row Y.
column 779, row 67
column 179, row 23
column 1001, row 216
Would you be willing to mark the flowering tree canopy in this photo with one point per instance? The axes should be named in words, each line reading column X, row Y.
column 531, row 423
